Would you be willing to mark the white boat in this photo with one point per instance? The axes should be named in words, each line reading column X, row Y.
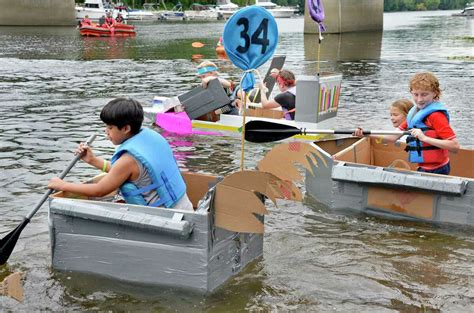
column 199, row 12
column 468, row 10
column 225, row 9
column 175, row 14
column 95, row 9
column 140, row 15
column 276, row 10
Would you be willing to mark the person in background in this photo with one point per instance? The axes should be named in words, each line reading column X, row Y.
column 399, row 110
column 109, row 20
column 431, row 136
column 86, row 21
column 398, row 113
column 119, row 18
column 286, row 99
column 143, row 165
column 208, row 71
column 102, row 21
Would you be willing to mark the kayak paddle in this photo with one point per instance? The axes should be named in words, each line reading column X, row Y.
column 263, row 131
column 9, row 241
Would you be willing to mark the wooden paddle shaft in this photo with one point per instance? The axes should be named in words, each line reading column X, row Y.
column 62, row 175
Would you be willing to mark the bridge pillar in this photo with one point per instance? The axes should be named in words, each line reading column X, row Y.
column 37, row 12
column 343, row 16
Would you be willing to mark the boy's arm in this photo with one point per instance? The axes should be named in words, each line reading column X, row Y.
column 118, row 174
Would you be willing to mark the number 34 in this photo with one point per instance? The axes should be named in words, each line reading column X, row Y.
column 255, row 39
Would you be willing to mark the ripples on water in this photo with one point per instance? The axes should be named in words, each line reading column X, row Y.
column 54, row 83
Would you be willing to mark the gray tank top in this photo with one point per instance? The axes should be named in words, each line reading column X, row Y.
column 143, row 180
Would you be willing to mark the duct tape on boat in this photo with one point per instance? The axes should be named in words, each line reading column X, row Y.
column 379, row 176
column 93, row 211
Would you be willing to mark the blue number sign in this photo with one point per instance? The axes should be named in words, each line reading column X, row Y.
column 250, row 39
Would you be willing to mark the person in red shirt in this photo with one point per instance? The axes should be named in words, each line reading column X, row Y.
column 86, row 21
column 109, row 20
column 431, row 136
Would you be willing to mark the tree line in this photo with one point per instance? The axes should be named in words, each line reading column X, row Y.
column 389, row 5
column 423, row 5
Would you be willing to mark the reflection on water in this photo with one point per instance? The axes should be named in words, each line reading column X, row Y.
column 53, row 84
column 344, row 47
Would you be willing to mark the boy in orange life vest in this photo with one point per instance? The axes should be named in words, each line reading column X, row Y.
column 428, row 121
column 143, row 165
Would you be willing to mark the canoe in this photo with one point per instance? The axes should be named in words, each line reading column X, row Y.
column 144, row 245
column 317, row 103
column 373, row 177
column 120, row 30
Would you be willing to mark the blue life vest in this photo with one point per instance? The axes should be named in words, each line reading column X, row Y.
column 422, row 152
column 155, row 154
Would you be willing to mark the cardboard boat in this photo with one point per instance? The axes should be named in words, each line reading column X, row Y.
column 372, row 177
column 119, row 30
column 197, row 250
column 317, row 103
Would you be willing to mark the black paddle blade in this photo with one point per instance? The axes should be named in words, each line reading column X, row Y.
column 8, row 242
column 263, row 131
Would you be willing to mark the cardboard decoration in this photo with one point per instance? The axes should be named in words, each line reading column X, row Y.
column 281, row 160
column 250, row 38
column 238, row 201
column 11, row 286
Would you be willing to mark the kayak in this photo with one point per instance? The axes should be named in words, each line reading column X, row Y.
column 373, row 177
column 197, row 250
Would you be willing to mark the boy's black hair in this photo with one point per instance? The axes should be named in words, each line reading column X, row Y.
column 123, row 111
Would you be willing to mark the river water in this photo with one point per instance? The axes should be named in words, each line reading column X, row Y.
column 53, row 84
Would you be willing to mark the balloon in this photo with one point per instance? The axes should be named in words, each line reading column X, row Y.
column 316, row 11
column 250, row 38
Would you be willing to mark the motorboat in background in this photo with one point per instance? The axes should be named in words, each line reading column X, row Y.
column 175, row 14
column 95, row 9
column 276, row 10
column 468, row 10
column 225, row 9
column 201, row 12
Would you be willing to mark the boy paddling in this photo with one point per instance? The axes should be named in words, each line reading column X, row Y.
column 143, row 166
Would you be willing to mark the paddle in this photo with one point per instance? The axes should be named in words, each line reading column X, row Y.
column 9, row 241
column 263, row 131
column 198, row 44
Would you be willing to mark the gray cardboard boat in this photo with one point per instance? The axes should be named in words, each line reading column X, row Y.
column 373, row 177
column 197, row 250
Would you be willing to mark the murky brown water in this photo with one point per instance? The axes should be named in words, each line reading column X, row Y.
column 53, row 84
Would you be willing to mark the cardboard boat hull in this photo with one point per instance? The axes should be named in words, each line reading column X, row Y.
column 143, row 245
column 345, row 177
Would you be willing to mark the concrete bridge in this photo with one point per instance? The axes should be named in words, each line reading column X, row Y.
column 37, row 12
column 344, row 16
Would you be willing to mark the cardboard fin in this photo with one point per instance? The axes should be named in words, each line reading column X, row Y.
column 238, row 202
column 280, row 161
column 200, row 101
column 11, row 287
column 277, row 62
